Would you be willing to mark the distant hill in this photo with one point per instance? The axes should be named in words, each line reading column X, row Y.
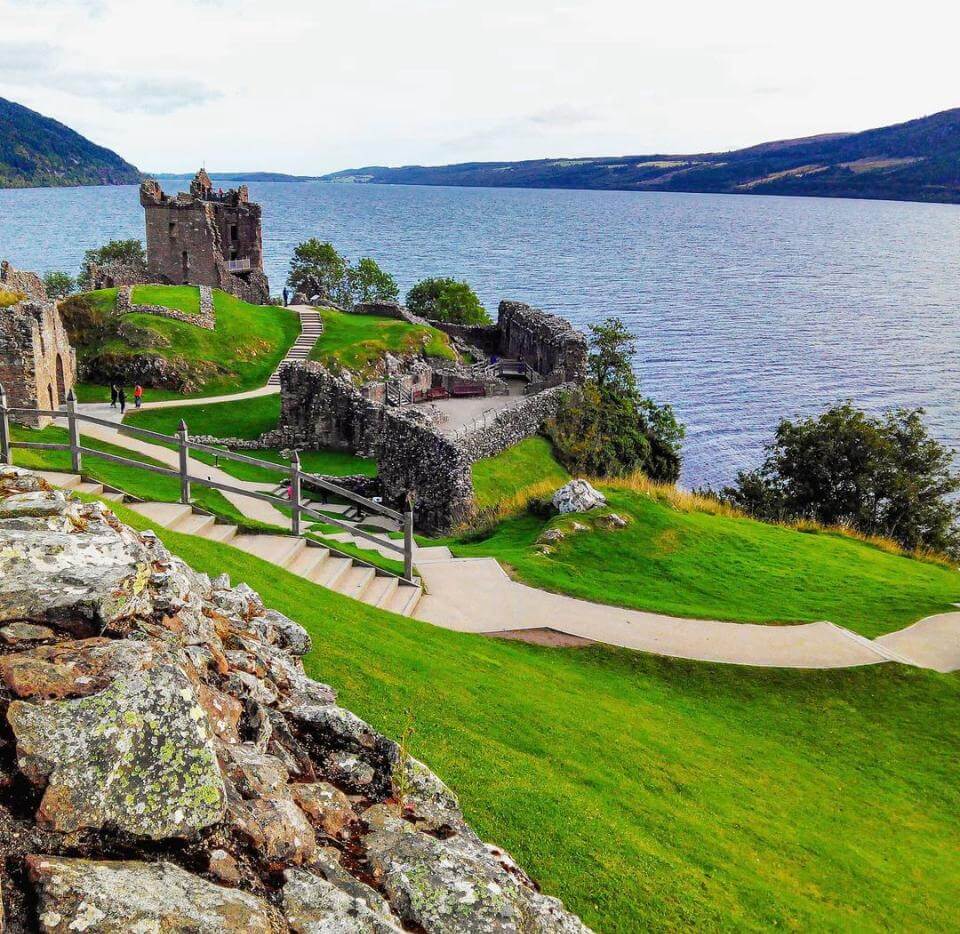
column 914, row 161
column 36, row 151
column 238, row 176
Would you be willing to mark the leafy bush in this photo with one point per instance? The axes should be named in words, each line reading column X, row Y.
column 608, row 428
column 444, row 299
column 59, row 284
column 9, row 297
column 128, row 252
column 318, row 269
column 880, row 475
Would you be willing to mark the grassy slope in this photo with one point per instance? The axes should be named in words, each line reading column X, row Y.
column 357, row 342
column 692, row 563
column 508, row 475
column 247, row 418
column 657, row 794
column 247, row 345
column 185, row 298
column 139, row 483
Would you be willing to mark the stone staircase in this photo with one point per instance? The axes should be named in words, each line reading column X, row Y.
column 311, row 327
column 305, row 558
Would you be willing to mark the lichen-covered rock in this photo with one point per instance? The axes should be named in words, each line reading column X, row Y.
column 328, row 808
column 138, row 755
column 139, row 898
column 168, row 716
column 444, row 889
column 277, row 828
column 312, row 905
column 578, row 496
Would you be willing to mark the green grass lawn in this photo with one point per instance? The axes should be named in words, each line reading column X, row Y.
column 185, row 298
column 139, row 483
column 693, row 563
column 358, row 342
column 656, row 794
column 240, row 354
column 511, row 474
column 245, row 418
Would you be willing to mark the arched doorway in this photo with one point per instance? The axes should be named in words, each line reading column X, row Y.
column 61, row 382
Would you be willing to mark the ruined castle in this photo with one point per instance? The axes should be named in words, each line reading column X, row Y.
column 205, row 237
column 38, row 367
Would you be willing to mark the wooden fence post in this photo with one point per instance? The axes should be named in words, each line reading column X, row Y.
column 5, row 456
column 73, row 428
column 184, row 439
column 295, row 490
column 408, row 536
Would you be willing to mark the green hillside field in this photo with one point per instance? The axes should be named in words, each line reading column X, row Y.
column 656, row 794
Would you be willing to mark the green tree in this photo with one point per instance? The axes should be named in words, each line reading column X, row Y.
column 59, row 284
column 128, row 252
column 367, row 282
column 318, row 269
column 608, row 427
column 445, row 299
column 881, row 475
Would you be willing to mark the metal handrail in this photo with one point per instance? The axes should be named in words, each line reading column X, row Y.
column 184, row 445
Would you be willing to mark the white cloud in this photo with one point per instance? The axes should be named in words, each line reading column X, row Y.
column 309, row 85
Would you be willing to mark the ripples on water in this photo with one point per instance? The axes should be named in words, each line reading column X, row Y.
column 746, row 308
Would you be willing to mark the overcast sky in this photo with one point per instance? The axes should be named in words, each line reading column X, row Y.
column 308, row 86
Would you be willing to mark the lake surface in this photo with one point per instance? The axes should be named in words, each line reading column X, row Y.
column 746, row 309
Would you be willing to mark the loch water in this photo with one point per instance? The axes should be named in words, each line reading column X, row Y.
column 746, row 309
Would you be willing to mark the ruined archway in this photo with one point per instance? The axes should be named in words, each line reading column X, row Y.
column 61, row 381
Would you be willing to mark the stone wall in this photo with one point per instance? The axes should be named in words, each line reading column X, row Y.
column 321, row 410
column 545, row 342
column 205, row 318
column 511, row 425
column 19, row 280
column 38, row 367
column 115, row 275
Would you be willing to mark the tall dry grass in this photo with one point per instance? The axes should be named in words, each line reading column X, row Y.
column 486, row 520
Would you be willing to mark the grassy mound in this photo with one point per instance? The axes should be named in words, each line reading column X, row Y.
column 244, row 418
column 358, row 342
column 247, row 419
column 678, row 556
column 512, row 475
column 185, row 298
column 240, row 354
column 655, row 794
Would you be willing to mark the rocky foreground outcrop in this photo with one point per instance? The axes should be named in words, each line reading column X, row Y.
column 166, row 765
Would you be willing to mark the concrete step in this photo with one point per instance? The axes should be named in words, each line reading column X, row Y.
column 279, row 550
column 63, row 481
column 165, row 514
column 381, row 589
column 308, row 562
column 331, row 571
column 404, row 600
column 221, row 533
column 93, row 489
column 355, row 582
column 194, row 524
column 113, row 497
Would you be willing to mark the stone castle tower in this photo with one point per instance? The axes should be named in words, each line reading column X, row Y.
column 38, row 367
column 205, row 237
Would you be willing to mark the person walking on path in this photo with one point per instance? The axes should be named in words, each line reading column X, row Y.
column 286, row 295
column 122, row 399
column 138, row 395
column 113, row 395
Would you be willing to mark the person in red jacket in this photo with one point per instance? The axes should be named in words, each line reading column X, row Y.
column 138, row 395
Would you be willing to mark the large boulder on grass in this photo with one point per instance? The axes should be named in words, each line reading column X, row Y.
column 578, row 496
